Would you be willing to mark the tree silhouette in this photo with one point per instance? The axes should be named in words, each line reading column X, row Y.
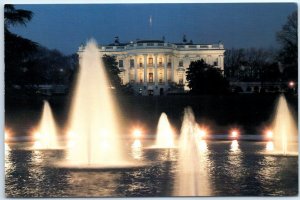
column 206, row 79
column 17, row 48
column 288, row 55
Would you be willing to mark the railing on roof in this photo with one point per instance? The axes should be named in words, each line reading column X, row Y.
column 161, row 45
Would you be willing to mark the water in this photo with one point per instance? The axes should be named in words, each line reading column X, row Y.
column 191, row 177
column 284, row 128
column 244, row 170
column 165, row 134
column 94, row 126
column 46, row 134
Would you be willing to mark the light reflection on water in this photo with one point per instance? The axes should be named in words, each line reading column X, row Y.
column 234, row 147
column 233, row 168
column 235, row 159
column 136, row 149
column 270, row 146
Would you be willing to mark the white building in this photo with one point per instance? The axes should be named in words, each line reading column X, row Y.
column 155, row 67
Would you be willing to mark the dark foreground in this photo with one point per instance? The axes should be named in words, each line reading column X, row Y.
column 230, row 170
column 251, row 113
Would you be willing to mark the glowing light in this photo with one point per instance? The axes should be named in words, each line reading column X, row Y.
column 37, row 135
column 234, row 145
column 71, row 134
column 270, row 146
column 104, row 145
column 71, row 143
column 269, row 134
column 234, row 133
column 291, row 83
column 103, row 133
column 6, row 136
column 137, row 133
column 201, row 132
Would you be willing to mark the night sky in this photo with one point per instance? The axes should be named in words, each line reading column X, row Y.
column 65, row 27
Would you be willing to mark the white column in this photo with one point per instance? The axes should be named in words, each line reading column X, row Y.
column 165, row 69
column 221, row 62
column 209, row 60
column 172, row 68
column 135, row 68
column 155, row 69
column 127, row 70
column 145, row 69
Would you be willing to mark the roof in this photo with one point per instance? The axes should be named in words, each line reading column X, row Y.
column 150, row 41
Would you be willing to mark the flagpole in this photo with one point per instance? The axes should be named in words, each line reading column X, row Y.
column 150, row 25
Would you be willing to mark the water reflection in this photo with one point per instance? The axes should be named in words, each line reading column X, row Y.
column 222, row 172
column 235, row 156
column 93, row 184
column 270, row 146
column 136, row 149
column 234, row 147
column 167, row 155
column 8, row 165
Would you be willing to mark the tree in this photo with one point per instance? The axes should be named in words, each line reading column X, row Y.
column 288, row 38
column 17, row 49
column 234, row 59
column 113, row 72
column 206, row 79
column 247, row 64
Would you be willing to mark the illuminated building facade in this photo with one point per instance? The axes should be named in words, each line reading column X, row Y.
column 156, row 67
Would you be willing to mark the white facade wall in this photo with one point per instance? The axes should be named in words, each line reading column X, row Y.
column 157, row 66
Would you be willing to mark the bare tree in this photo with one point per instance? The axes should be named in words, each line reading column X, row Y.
column 288, row 38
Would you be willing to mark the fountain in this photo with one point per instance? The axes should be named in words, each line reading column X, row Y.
column 191, row 177
column 46, row 135
column 94, row 124
column 165, row 134
column 284, row 128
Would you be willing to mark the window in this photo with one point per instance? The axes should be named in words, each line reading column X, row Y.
column 160, row 61
column 121, row 64
column 180, row 63
column 150, row 61
column 216, row 62
column 180, row 79
column 141, row 62
column 141, row 77
column 169, row 63
column 131, row 63
column 160, row 77
column 150, row 77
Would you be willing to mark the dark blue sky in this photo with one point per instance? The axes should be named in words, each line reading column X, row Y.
column 65, row 27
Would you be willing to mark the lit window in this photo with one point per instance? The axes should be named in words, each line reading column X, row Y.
column 160, row 77
column 150, row 61
column 150, row 77
column 160, row 61
column 141, row 62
